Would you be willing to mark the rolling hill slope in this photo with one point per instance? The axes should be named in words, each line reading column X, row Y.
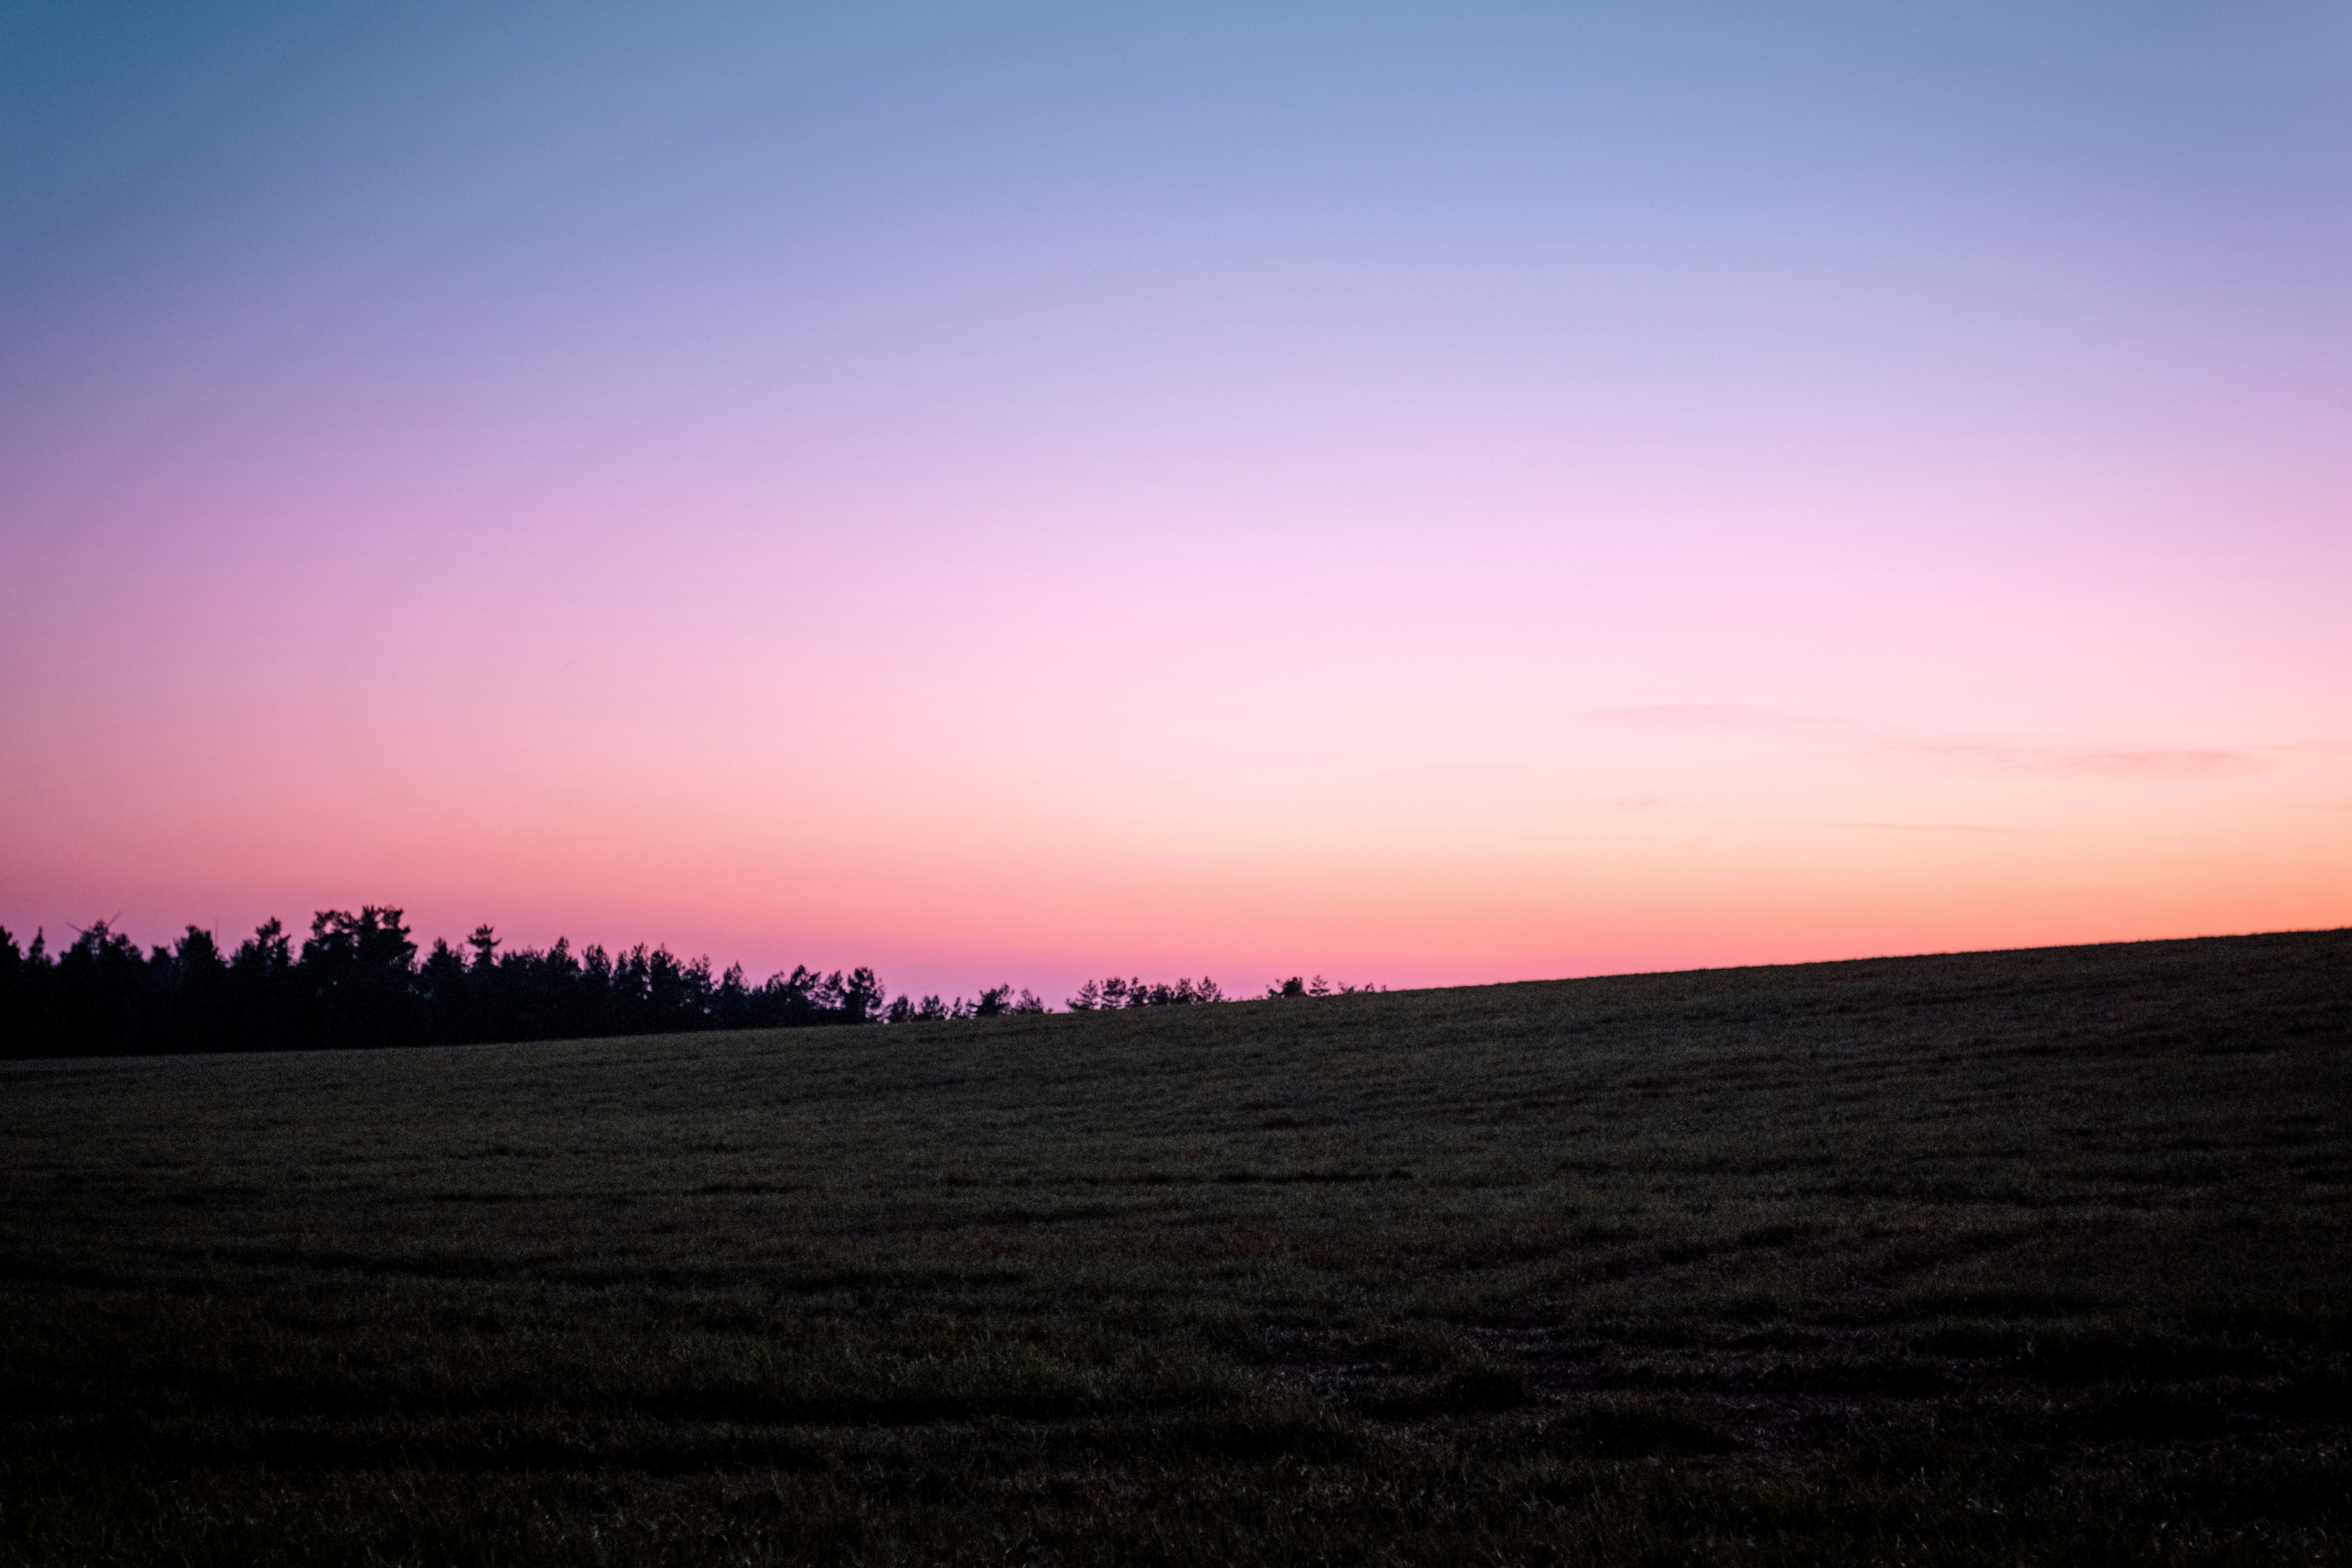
column 2035, row 1256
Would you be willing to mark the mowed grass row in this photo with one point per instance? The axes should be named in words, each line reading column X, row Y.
column 2033, row 1256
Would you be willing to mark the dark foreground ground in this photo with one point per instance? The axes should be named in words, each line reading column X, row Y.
column 2032, row 1258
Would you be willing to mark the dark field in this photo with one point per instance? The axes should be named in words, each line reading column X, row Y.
column 2016, row 1257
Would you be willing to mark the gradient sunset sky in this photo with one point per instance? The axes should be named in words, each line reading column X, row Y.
column 1428, row 494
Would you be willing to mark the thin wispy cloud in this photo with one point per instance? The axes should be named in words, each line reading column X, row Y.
column 1453, row 772
column 2313, row 748
column 1710, row 716
column 1992, row 760
column 1965, row 757
column 1910, row 827
column 1679, row 716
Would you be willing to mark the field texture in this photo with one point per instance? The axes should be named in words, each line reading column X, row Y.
column 2032, row 1258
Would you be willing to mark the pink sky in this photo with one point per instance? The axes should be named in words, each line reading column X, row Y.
column 1901, row 511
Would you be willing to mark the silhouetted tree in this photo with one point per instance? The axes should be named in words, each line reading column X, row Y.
column 97, row 985
column 861, row 996
column 198, row 1015
column 1318, row 986
column 357, row 980
column 358, row 973
column 26, row 1026
column 1136, row 993
column 264, row 999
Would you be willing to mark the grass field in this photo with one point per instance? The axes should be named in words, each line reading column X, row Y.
column 2034, row 1256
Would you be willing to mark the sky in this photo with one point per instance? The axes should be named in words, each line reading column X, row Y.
column 1426, row 494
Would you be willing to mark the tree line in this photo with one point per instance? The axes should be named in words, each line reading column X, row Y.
column 357, row 980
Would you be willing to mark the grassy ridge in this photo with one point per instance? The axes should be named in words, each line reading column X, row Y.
column 2028, row 1256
